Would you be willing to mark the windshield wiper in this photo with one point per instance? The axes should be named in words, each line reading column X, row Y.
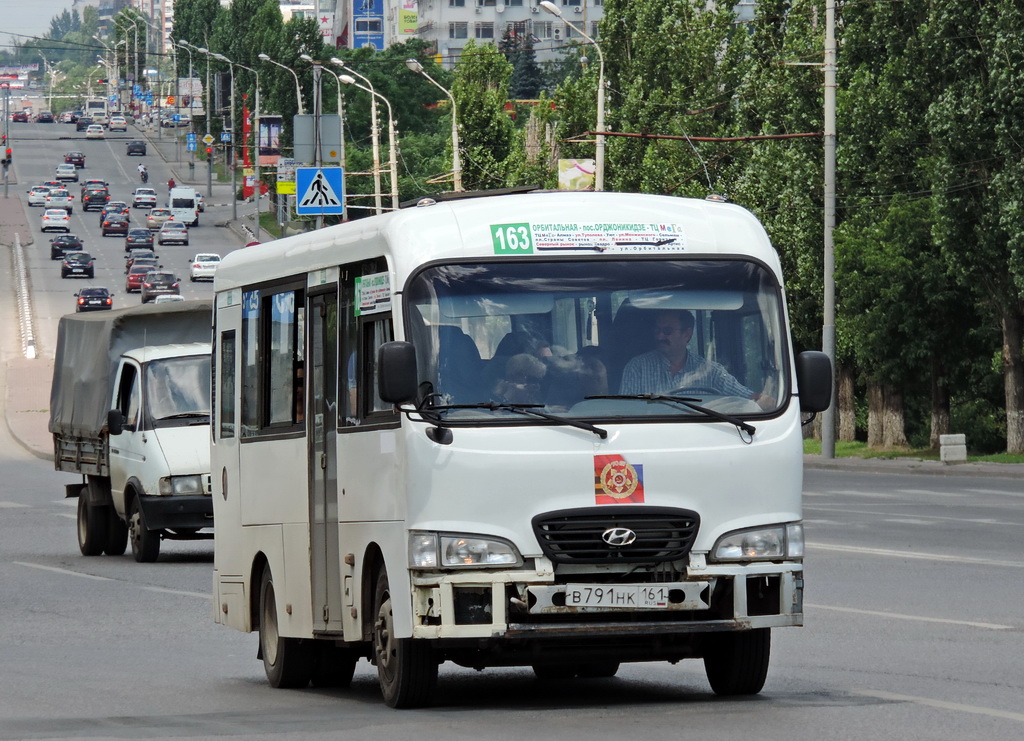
column 184, row 415
column 524, row 409
column 687, row 402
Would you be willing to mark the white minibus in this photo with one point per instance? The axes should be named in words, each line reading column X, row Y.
column 552, row 430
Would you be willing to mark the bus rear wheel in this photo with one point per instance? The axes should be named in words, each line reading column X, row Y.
column 406, row 668
column 288, row 662
column 737, row 663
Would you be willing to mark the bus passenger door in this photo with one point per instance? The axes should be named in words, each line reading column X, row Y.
column 321, row 425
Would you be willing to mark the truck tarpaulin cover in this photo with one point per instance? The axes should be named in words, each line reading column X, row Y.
column 90, row 345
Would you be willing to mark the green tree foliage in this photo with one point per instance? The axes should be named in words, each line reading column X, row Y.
column 485, row 129
column 527, row 80
column 978, row 183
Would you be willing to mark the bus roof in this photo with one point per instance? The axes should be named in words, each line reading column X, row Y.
column 530, row 224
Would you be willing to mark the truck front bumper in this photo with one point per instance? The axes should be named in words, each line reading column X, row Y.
column 177, row 513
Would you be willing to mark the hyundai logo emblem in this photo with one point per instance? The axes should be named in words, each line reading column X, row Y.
column 617, row 537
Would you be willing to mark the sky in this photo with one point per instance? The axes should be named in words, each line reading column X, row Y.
column 31, row 17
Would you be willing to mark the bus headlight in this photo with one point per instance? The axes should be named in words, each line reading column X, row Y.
column 456, row 550
column 178, row 486
column 776, row 543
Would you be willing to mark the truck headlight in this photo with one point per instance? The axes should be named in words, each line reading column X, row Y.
column 181, row 486
column 775, row 543
column 456, row 550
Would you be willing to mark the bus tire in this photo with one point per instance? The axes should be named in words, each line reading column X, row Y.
column 737, row 663
column 145, row 543
column 288, row 662
column 92, row 527
column 117, row 534
column 406, row 668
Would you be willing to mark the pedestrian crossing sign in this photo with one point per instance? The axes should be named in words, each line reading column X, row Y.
column 320, row 191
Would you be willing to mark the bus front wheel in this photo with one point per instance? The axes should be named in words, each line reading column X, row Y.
column 406, row 668
column 288, row 662
column 737, row 663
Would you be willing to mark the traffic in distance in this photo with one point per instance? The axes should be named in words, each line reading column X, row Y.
column 93, row 197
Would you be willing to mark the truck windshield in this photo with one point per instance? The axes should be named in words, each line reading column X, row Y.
column 178, row 390
column 599, row 339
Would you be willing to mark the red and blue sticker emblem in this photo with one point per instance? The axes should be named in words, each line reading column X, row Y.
column 617, row 481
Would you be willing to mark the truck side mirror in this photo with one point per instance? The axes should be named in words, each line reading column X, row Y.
column 814, row 381
column 396, row 372
column 115, row 422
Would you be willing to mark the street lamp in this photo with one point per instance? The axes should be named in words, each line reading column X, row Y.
column 392, row 138
column 234, row 163
column 298, row 88
column 185, row 45
column 209, row 158
column 374, row 130
column 256, row 149
column 599, row 164
column 416, row 67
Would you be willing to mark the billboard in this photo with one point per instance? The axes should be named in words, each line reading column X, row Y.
column 368, row 24
column 269, row 139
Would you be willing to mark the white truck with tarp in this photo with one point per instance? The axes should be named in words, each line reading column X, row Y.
column 130, row 415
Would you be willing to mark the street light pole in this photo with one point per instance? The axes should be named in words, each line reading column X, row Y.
column 392, row 138
column 341, row 133
column 191, row 120
column 298, row 88
column 209, row 158
column 374, row 129
column 599, row 160
column 234, row 163
column 416, row 67
column 256, row 150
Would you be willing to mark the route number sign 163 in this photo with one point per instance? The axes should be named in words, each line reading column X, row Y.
column 511, row 239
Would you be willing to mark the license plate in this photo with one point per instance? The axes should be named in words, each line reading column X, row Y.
column 630, row 596
column 77, row 270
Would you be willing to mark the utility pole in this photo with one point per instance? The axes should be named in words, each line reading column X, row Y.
column 828, row 330
column 318, row 157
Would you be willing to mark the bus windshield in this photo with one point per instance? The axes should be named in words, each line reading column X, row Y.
column 598, row 339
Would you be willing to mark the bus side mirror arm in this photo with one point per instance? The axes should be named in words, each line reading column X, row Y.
column 814, row 381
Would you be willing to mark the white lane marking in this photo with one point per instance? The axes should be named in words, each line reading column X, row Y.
column 163, row 590
column 67, row 572
column 919, row 618
column 941, row 704
column 916, row 555
column 987, row 521
column 11, row 505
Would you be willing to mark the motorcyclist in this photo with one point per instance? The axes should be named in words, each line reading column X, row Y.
column 143, row 173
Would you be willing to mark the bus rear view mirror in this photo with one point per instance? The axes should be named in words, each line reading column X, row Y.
column 814, row 381
column 396, row 366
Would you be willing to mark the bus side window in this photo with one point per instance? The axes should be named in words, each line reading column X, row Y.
column 226, row 397
column 360, row 371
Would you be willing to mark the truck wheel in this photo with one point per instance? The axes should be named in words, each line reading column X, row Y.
column 288, row 662
column 117, row 534
column 145, row 543
column 406, row 668
column 92, row 527
column 737, row 663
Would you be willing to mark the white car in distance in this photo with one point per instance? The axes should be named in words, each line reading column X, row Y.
column 94, row 131
column 37, row 196
column 55, row 218
column 144, row 198
column 203, row 266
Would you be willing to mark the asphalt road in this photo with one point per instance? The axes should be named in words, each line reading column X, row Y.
column 40, row 147
column 914, row 610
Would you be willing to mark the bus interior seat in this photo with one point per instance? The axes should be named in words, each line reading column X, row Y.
column 460, row 367
column 632, row 334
